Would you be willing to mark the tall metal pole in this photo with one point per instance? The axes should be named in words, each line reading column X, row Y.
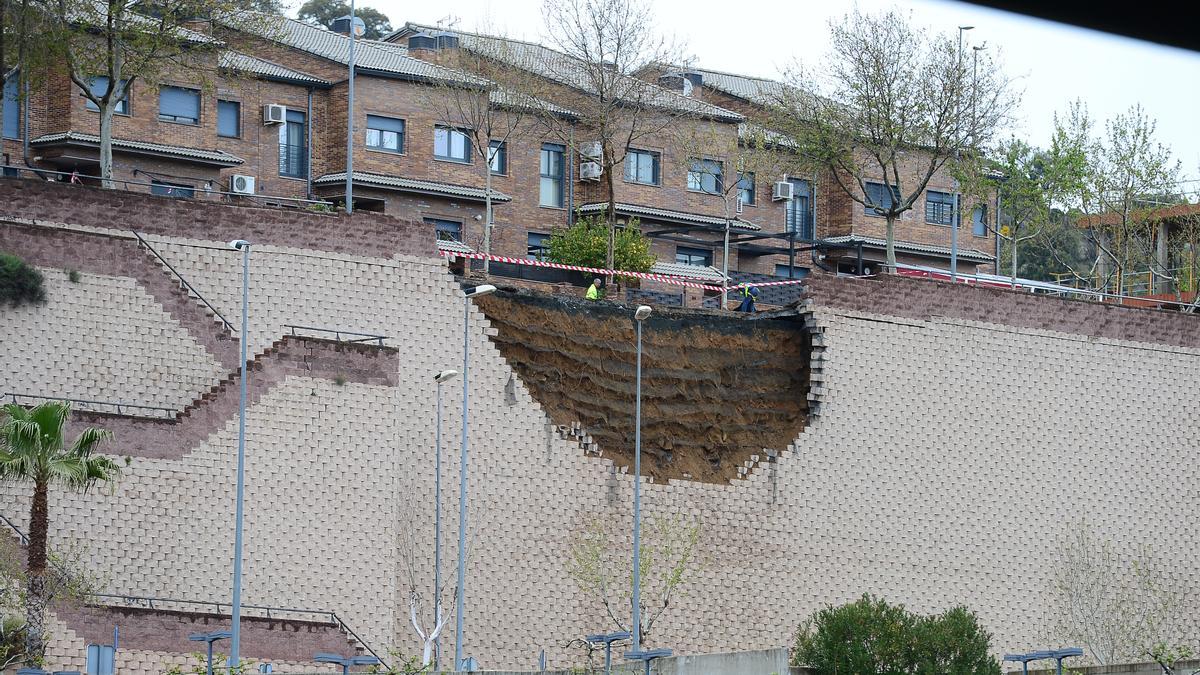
column 350, row 121
column 462, row 495
column 637, row 500
column 437, row 527
column 239, row 517
column 958, row 142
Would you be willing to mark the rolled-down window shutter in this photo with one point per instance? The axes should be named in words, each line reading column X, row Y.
column 179, row 104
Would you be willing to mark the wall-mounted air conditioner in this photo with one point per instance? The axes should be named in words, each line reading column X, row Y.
column 590, row 171
column 783, row 190
column 241, row 184
column 274, row 113
column 592, row 150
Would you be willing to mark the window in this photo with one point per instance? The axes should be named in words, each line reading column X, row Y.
column 979, row 221
column 158, row 187
column 704, row 175
column 799, row 213
column 498, row 157
column 881, row 197
column 293, row 153
column 701, row 257
column 176, row 104
column 551, row 176
column 447, row 230
column 796, row 272
column 451, row 145
column 99, row 87
column 939, row 208
column 229, row 119
column 12, row 106
column 641, row 166
column 746, row 187
column 539, row 245
column 385, row 133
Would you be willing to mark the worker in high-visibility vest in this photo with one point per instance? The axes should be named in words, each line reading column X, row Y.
column 749, row 295
column 593, row 292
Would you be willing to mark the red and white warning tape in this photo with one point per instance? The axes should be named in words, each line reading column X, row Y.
column 663, row 278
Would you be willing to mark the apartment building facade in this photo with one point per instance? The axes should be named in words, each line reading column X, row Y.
column 274, row 126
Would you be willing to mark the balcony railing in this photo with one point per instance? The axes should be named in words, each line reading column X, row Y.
column 293, row 160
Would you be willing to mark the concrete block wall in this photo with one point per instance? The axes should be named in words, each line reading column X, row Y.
column 948, row 453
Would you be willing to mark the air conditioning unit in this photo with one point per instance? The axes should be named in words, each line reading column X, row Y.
column 274, row 113
column 242, row 185
column 592, row 150
column 590, row 171
column 783, row 191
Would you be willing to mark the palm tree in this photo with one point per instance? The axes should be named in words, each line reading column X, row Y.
column 32, row 448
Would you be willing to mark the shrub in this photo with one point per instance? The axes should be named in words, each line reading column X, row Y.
column 871, row 636
column 19, row 282
column 586, row 244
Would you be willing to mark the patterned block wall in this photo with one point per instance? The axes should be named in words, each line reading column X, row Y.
column 102, row 338
column 948, row 453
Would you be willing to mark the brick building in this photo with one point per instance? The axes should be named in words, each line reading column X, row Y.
column 277, row 115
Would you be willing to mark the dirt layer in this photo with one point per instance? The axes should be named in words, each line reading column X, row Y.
column 717, row 388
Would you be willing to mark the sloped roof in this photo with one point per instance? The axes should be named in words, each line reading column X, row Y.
column 969, row 254
column 401, row 184
column 252, row 65
column 674, row 269
column 374, row 55
column 177, row 151
column 669, row 215
column 452, row 246
column 564, row 69
column 757, row 90
column 1145, row 215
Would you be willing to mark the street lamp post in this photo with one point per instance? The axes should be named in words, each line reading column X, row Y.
column 345, row 662
column 957, row 199
column 460, row 594
column 441, row 377
column 210, row 638
column 239, row 515
column 607, row 639
column 353, row 30
column 639, row 316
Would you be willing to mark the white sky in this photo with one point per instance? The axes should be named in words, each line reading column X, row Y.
column 1053, row 63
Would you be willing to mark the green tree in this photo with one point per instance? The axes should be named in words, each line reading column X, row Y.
column 33, row 448
column 324, row 12
column 872, row 636
column 586, row 244
column 20, row 283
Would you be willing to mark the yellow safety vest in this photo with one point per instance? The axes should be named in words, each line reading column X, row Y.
column 593, row 293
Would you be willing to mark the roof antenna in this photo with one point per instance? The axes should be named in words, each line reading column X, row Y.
column 449, row 21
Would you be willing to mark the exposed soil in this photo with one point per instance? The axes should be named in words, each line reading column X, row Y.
column 717, row 388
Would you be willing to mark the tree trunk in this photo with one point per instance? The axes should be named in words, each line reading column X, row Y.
column 1014, row 261
column 487, row 213
column 611, row 255
column 106, row 163
column 35, row 603
column 891, row 244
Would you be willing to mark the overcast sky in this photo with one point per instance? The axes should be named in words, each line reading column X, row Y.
column 1053, row 63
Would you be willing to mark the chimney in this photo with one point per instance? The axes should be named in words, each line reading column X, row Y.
column 342, row 25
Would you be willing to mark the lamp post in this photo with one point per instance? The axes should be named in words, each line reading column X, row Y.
column 346, row 662
column 239, row 515
column 639, row 316
column 210, row 638
column 476, row 292
column 444, row 376
column 607, row 639
column 957, row 198
column 353, row 30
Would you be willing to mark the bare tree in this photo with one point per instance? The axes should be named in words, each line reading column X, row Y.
column 602, row 46
column 754, row 156
column 497, row 105
column 428, row 630
column 599, row 562
column 894, row 105
column 1117, row 605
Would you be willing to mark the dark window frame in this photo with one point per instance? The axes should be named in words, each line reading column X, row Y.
column 237, row 121
column 124, row 106
column 441, row 226
column 299, row 158
column 498, row 152
column 540, row 250
column 631, row 156
column 690, row 252
column 939, row 208
column 164, row 189
column 698, row 175
column 879, row 188
column 401, row 136
column 979, row 226
column 752, row 190
column 468, row 146
column 559, row 178
column 180, row 119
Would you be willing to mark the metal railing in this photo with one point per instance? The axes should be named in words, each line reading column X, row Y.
column 337, row 333
column 191, row 289
column 168, row 413
column 14, row 171
column 1143, row 282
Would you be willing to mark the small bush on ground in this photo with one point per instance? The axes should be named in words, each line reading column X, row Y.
column 20, row 283
column 872, row 636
